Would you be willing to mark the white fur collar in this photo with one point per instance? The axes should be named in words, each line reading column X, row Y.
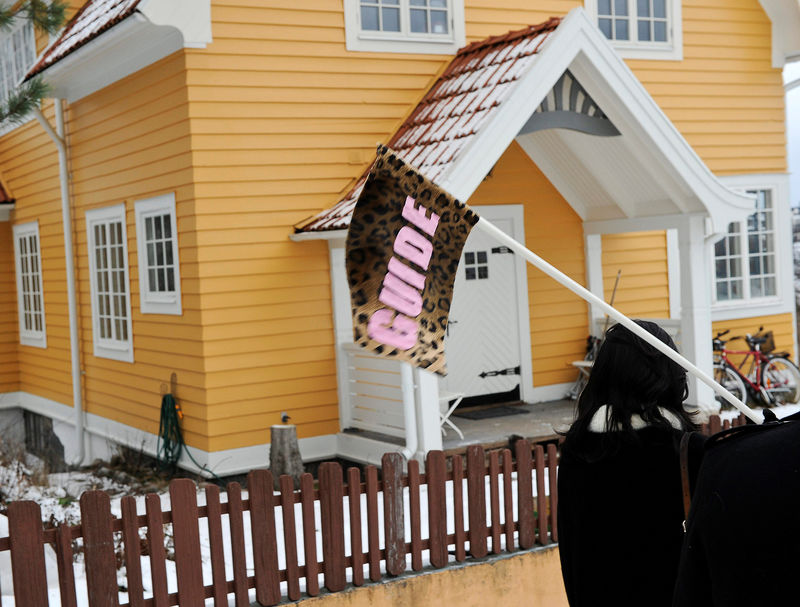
column 600, row 420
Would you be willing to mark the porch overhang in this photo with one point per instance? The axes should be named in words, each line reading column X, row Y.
column 646, row 170
column 99, row 47
column 785, row 18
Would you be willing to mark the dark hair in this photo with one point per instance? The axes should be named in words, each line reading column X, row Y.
column 631, row 377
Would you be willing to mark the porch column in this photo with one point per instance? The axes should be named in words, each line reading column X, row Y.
column 593, row 248
column 696, row 309
column 429, row 434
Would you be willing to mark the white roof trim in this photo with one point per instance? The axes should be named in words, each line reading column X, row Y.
column 577, row 44
column 155, row 30
column 785, row 17
column 5, row 211
column 319, row 235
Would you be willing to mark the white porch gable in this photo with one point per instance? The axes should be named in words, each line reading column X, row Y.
column 635, row 173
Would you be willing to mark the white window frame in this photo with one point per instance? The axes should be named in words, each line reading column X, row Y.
column 29, row 336
column 783, row 300
column 157, row 302
column 116, row 349
column 404, row 41
column 672, row 50
column 21, row 32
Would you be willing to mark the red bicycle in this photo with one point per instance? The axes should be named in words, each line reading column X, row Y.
column 762, row 375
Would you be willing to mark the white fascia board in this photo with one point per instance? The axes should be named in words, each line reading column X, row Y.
column 328, row 235
column 577, row 44
column 129, row 46
column 785, row 18
column 5, row 211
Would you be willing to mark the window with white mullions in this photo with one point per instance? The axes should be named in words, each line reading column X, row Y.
column 30, row 296
column 651, row 20
column 745, row 259
column 640, row 29
column 404, row 26
column 159, row 273
column 17, row 55
column 108, row 261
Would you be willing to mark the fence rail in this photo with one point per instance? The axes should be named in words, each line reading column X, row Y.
column 479, row 504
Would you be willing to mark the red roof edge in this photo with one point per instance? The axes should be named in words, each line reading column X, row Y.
column 45, row 60
column 551, row 24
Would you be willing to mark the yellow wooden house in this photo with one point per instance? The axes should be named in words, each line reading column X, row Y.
column 180, row 204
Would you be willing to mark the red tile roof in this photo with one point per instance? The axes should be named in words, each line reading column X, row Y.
column 94, row 18
column 477, row 81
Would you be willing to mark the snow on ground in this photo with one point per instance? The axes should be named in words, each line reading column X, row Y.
column 59, row 503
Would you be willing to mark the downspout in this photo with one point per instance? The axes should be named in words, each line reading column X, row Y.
column 409, row 412
column 66, row 219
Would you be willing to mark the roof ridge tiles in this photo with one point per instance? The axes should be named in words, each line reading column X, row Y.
column 549, row 25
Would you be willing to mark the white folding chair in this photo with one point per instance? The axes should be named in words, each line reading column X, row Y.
column 448, row 401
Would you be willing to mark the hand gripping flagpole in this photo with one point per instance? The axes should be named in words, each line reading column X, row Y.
column 492, row 230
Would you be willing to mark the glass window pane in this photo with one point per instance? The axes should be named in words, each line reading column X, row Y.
column 755, row 265
column 417, row 3
column 769, row 286
column 439, row 22
column 160, row 253
column 660, row 31
column 161, row 285
column 469, row 257
column 660, row 9
column 605, row 27
column 470, row 273
column 643, row 8
column 620, row 7
column 621, row 29
column 369, row 18
column 157, row 221
column 170, row 280
column 721, row 268
column 439, row 3
column 390, row 19
column 148, row 228
column 755, row 288
column 737, row 289
column 769, row 264
column 483, row 272
column 151, row 279
column 482, row 257
column 644, row 30
column 169, row 253
column 719, row 247
column 604, row 7
column 736, row 266
column 167, row 226
column 151, row 254
column 419, row 21
column 722, row 291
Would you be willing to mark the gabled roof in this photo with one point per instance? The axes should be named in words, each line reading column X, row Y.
column 94, row 18
column 480, row 77
column 490, row 91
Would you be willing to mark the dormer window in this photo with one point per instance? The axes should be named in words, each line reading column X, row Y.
column 404, row 26
column 640, row 29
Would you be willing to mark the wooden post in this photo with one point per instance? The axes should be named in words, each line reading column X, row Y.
column 284, row 454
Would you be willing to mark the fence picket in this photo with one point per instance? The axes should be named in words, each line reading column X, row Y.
column 289, row 538
column 27, row 554
column 98, row 549
column 436, row 478
column 219, row 584
column 508, row 505
column 331, row 502
column 552, row 476
column 542, row 516
column 66, row 573
column 714, row 424
column 356, row 542
column 262, row 534
column 155, row 547
column 373, row 541
column 309, row 534
column 186, row 534
column 415, row 515
column 494, row 497
column 476, row 492
column 458, row 507
column 394, row 513
column 236, row 524
column 524, row 494
column 133, row 552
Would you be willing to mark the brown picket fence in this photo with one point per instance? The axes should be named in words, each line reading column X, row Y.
column 482, row 522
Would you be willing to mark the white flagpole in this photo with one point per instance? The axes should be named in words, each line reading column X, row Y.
column 492, row 230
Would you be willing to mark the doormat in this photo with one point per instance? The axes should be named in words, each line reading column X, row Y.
column 489, row 412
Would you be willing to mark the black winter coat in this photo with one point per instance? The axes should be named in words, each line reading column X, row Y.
column 743, row 534
column 620, row 520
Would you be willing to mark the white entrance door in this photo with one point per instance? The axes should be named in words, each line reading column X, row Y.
column 483, row 341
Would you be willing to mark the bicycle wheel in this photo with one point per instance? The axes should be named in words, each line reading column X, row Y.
column 730, row 380
column 781, row 379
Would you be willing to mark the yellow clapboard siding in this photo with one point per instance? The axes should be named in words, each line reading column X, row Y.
column 322, row 372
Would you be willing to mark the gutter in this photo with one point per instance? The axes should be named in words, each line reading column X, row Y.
column 66, row 220
column 409, row 412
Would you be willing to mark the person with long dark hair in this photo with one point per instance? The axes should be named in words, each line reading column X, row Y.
column 620, row 507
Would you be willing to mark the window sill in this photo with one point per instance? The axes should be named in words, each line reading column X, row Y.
column 121, row 354
column 650, row 52
column 403, row 44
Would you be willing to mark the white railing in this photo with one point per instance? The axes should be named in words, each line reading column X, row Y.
column 374, row 394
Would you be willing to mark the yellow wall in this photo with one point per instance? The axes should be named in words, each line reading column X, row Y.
column 9, row 331
column 530, row 578
column 643, row 289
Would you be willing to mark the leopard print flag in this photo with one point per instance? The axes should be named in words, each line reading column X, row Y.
column 403, row 249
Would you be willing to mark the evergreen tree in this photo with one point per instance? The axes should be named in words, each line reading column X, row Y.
column 46, row 16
